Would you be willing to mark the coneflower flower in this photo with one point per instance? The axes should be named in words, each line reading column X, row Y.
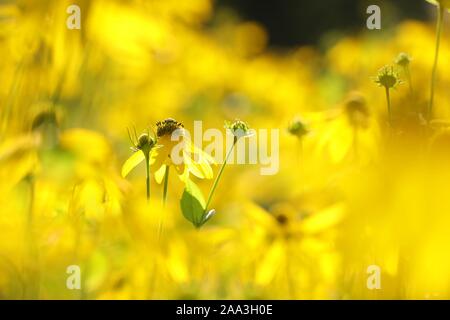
column 160, row 150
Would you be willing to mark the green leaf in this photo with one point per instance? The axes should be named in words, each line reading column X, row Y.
column 193, row 204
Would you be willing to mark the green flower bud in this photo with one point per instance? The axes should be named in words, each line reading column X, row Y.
column 298, row 128
column 239, row 129
column 387, row 77
column 403, row 60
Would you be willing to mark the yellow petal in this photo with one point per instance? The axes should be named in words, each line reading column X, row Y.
column 79, row 140
column 159, row 174
column 154, row 155
column 259, row 216
column 183, row 173
column 200, row 166
column 18, row 146
column 206, row 170
column 192, row 167
column 324, row 219
column 192, row 148
column 199, row 169
column 269, row 264
column 132, row 162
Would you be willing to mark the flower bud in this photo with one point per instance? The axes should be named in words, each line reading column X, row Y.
column 239, row 129
column 403, row 60
column 387, row 77
column 298, row 128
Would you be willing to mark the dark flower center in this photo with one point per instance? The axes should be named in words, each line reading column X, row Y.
column 167, row 127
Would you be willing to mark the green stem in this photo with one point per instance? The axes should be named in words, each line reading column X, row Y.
column 147, row 167
column 161, row 219
column 388, row 98
column 166, row 184
column 439, row 25
column 211, row 193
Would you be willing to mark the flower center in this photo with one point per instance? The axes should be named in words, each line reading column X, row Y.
column 282, row 219
column 167, row 127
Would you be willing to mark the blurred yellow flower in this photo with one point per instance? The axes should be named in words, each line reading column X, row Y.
column 351, row 191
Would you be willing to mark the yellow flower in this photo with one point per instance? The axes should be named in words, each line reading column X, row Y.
column 170, row 134
column 288, row 248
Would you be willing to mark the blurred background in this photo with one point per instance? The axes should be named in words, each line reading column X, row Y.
column 363, row 177
column 292, row 23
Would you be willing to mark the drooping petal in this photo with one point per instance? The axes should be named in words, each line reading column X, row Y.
column 200, row 164
column 201, row 169
column 131, row 163
column 192, row 167
column 159, row 174
column 206, row 169
column 182, row 172
column 324, row 219
column 192, row 148
column 259, row 216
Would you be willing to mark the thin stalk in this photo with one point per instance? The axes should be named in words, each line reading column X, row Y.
column 166, row 184
column 147, row 167
column 388, row 98
column 211, row 193
column 161, row 219
column 439, row 25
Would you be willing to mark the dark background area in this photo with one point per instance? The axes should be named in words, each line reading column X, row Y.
column 299, row 22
